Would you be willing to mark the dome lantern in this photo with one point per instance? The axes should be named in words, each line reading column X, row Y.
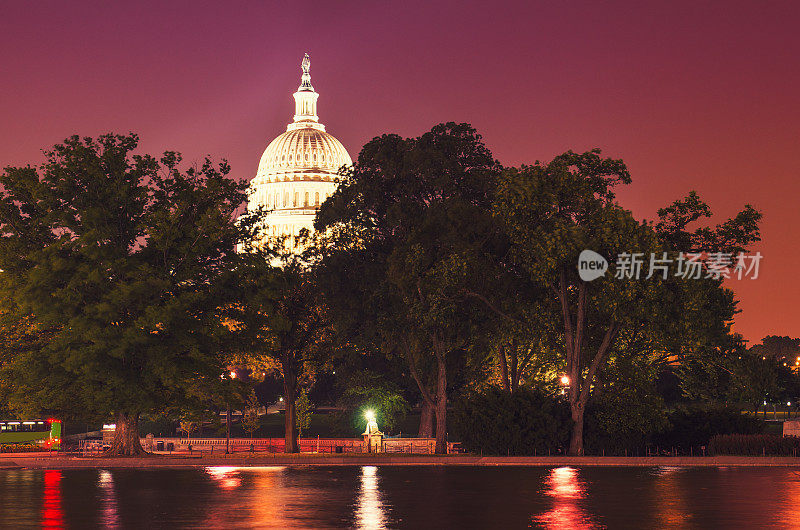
column 305, row 101
column 298, row 169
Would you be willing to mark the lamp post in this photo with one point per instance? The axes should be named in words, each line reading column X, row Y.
column 565, row 383
column 228, row 421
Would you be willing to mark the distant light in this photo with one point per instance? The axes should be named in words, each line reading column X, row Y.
column 565, row 380
column 280, row 399
column 370, row 415
column 109, row 426
column 788, row 403
column 233, row 374
column 765, row 402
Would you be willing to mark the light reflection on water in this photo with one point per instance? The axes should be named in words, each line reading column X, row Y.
column 52, row 516
column 369, row 513
column 409, row 497
column 567, row 491
column 108, row 499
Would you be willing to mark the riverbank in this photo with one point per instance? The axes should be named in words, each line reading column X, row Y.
column 18, row 461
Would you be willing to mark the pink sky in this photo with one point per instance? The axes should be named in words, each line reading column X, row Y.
column 692, row 95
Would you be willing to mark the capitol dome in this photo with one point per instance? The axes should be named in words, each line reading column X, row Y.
column 298, row 169
column 305, row 150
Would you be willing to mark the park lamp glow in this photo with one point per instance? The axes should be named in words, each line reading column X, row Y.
column 565, row 380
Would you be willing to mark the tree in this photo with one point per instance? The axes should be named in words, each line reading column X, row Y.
column 552, row 212
column 251, row 421
column 780, row 348
column 119, row 254
column 188, row 426
column 404, row 231
column 305, row 410
column 281, row 324
column 371, row 392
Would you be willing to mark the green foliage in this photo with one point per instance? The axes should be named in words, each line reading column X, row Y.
column 406, row 232
column 119, row 256
column 623, row 421
column 525, row 422
column 692, row 426
column 251, row 421
column 755, row 379
column 21, row 448
column 754, row 445
column 370, row 392
column 305, row 411
column 280, row 324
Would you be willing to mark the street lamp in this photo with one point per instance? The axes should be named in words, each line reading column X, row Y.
column 565, row 380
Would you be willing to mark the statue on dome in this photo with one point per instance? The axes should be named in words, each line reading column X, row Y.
column 306, row 65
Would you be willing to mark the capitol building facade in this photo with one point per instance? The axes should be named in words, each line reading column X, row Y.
column 298, row 169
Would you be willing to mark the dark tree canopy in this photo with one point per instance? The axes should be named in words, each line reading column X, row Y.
column 407, row 228
column 120, row 254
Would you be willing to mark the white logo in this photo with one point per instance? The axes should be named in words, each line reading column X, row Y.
column 591, row 265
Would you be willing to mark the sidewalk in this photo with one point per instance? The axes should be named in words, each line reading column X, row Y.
column 184, row 461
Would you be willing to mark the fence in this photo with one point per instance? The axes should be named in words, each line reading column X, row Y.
column 276, row 445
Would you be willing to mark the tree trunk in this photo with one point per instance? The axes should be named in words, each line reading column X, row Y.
column 290, row 425
column 501, row 359
column 441, row 406
column 126, row 440
column 227, row 428
column 426, row 419
column 514, row 367
column 576, row 440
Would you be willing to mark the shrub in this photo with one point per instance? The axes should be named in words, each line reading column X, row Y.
column 754, row 445
column 695, row 425
column 623, row 420
column 496, row 422
column 21, row 448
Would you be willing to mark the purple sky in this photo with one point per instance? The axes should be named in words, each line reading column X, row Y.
column 693, row 95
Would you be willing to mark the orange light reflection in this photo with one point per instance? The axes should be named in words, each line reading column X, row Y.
column 567, row 490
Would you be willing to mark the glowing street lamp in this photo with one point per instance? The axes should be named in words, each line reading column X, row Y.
column 565, row 380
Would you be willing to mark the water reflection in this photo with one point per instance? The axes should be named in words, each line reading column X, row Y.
column 226, row 477
column 413, row 497
column 108, row 499
column 370, row 510
column 670, row 503
column 52, row 514
column 790, row 516
column 567, row 491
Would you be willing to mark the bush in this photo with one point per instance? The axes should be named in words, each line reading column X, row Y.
column 496, row 422
column 21, row 448
column 623, row 421
column 695, row 425
column 754, row 445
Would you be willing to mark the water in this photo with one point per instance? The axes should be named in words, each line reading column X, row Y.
column 408, row 497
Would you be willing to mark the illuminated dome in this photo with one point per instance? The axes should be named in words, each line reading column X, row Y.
column 298, row 169
column 305, row 151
